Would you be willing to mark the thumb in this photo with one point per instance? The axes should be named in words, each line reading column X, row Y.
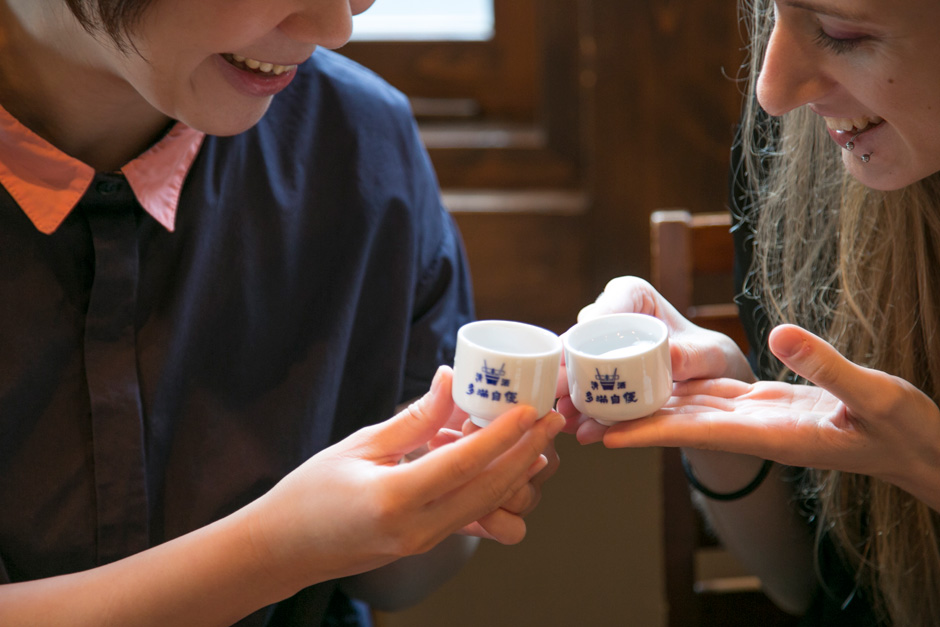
column 622, row 294
column 814, row 359
column 693, row 357
column 420, row 421
column 685, row 361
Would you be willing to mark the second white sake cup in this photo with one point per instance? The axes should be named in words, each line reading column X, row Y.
column 618, row 366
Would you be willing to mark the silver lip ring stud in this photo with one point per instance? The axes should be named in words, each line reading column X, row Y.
column 850, row 145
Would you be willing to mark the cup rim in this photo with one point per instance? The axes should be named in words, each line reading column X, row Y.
column 577, row 329
column 550, row 336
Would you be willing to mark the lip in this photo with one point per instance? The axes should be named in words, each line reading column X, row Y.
column 251, row 83
column 862, row 141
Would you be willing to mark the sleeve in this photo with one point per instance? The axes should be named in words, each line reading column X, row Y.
column 840, row 601
column 444, row 303
column 443, row 299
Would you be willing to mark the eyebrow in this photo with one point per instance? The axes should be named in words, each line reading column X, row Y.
column 825, row 10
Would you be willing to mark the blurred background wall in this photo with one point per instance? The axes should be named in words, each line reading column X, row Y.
column 555, row 133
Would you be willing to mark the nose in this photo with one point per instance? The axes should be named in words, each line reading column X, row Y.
column 326, row 23
column 792, row 74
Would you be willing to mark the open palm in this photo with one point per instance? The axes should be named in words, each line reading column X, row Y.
column 852, row 418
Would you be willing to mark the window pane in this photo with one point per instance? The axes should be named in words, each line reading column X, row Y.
column 426, row 20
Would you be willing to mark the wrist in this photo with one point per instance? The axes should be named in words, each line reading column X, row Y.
column 921, row 478
column 272, row 555
column 723, row 472
column 732, row 495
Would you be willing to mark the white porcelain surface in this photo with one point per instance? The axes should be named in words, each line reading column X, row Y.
column 618, row 366
column 500, row 364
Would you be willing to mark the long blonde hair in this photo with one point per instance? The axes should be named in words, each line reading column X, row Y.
column 861, row 268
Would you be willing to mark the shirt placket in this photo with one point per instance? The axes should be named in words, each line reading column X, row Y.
column 111, row 370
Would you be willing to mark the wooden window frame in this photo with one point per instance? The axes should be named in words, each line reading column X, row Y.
column 492, row 79
column 497, row 114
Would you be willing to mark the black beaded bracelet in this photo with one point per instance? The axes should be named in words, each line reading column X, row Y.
column 726, row 496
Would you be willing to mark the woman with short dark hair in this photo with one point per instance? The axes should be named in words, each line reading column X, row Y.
column 224, row 259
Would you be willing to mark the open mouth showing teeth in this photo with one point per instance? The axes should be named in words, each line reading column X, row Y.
column 258, row 67
column 852, row 125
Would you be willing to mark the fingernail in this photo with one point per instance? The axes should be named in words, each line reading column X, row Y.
column 537, row 466
column 557, row 424
column 788, row 344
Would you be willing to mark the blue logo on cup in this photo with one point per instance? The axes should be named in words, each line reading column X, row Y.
column 492, row 375
column 488, row 381
column 608, row 382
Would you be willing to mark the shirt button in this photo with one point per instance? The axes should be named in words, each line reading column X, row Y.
column 106, row 188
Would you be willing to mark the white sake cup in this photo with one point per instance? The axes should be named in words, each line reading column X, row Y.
column 501, row 364
column 618, row 366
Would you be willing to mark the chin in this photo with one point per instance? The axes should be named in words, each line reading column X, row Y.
column 880, row 175
column 224, row 123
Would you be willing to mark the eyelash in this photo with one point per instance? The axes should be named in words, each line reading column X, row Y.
column 839, row 46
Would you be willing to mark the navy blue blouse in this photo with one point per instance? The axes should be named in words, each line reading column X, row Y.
column 152, row 382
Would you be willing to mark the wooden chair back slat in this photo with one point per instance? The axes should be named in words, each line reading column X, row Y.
column 692, row 266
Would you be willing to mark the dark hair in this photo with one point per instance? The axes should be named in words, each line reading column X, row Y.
column 115, row 18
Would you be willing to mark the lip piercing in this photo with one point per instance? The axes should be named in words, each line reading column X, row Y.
column 850, row 145
column 865, row 158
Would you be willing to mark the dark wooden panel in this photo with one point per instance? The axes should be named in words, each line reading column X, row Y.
column 526, row 267
column 663, row 105
column 508, row 168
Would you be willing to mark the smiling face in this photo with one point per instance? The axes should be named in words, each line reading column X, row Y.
column 871, row 68
column 216, row 64
column 213, row 64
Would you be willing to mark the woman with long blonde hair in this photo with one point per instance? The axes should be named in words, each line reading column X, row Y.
column 827, row 483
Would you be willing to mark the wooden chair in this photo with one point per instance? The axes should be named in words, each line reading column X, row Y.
column 692, row 267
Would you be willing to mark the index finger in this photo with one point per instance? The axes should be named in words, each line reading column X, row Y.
column 486, row 492
column 709, row 429
column 446, row 469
